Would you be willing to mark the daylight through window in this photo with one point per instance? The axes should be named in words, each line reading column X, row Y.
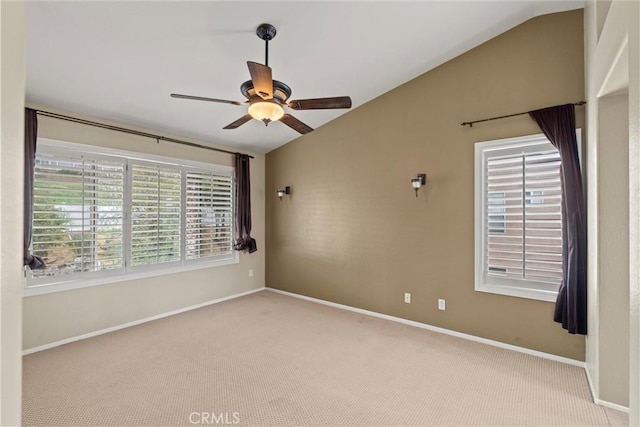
column 518, row 218
column 99, row 215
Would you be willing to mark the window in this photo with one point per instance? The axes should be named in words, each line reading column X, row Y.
column 104, row 215
column 155, row 213
column 518, row 218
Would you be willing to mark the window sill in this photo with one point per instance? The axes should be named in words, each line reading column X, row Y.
column 68, row 285
column 520, row 292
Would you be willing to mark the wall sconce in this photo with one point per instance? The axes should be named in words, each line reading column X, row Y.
column 281, row 193
column 419, row 181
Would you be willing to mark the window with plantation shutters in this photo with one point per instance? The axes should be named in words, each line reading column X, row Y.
column 78, row 213
column 103, row 215
column 209, row 214
column 155, row 214
column 518, row 218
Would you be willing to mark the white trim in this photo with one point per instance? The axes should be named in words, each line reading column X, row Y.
column 437, row 329
column 601, row 402
column 135, row 322
column 611, row 405
column 591, row 385
column 141, row 274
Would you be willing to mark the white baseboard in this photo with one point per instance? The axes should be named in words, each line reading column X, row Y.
column 135, row 322
column 437, row 329
column 611, row 405
column 601, row 402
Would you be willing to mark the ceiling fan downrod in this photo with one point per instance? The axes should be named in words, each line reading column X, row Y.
column 266, row 32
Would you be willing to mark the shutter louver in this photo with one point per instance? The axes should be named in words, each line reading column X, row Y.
column 523, row 217
column 155, row 214
column 78, row 213
column 209, row 215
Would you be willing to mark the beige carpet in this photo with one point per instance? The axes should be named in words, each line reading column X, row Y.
column 269, row 359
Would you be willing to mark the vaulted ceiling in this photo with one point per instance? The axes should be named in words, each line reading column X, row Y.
column 121, row 60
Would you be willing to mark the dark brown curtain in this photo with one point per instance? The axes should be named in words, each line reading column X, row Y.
column 30, row 137
column 244, row 241
column 559, row 126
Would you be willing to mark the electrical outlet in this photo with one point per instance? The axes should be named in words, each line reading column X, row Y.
column 442, row 305
column 407, row 298
column 251, row 272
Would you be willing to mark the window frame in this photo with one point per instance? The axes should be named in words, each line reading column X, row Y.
column 36, row 286
column 504, row 286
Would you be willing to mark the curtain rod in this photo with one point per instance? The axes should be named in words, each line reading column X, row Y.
column 508, row 115
column 130, row 131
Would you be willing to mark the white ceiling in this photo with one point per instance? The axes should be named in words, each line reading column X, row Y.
column 121, row 60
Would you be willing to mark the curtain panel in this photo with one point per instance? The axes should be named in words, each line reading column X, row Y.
column 30, row 138
column 244, row 241
column 559, row 126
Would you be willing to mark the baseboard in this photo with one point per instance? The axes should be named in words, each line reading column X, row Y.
column 437, row 329
column 136, row 322
column 611, row 405
column 590, row 382
column 601, row 402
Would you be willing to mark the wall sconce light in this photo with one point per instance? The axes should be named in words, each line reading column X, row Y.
column 419, row 181
column 281, row 193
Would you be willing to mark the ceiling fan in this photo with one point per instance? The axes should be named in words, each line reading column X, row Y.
column 267, row 97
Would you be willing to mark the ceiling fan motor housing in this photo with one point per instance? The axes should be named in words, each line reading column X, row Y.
column 281, row 91
column 266, row 31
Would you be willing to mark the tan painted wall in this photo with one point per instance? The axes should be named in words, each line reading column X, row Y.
column 56, row 316
column 352, row 230
column 12, row 83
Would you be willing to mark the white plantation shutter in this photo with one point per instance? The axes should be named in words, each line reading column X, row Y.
column 523, row 217
column 209, row 214
column 543, row 218
column 518, row 217
column 101, row 213
column 78, row 213
column 155, row 214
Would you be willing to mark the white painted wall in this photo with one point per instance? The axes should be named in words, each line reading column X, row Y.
column 613, row 247
column 633, row 16
column 591, row 32
column 12, row 89
column 61, row 315
column 612, row 64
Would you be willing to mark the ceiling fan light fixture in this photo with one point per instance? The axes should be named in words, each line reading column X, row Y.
column 266, row 111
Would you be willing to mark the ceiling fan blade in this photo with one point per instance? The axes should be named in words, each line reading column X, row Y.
column 262, row 80
column 242, row 120
column 321, row 103
column 295, row 124
column 200, row 98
